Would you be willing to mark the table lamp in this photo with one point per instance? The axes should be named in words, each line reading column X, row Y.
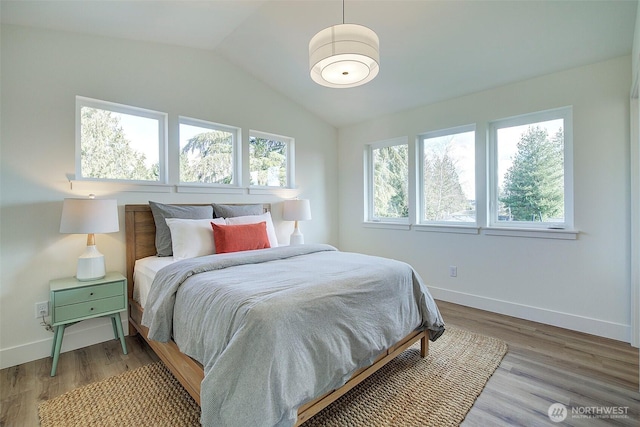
column 296, row 210
column 89, row 216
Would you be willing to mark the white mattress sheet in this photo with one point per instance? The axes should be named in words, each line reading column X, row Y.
column 144, row 271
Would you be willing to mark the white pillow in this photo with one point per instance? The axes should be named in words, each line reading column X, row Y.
column 254, row 219
column 191, row 238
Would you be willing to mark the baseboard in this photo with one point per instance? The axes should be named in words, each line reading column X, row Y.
column 74, row 337
column 602, row 328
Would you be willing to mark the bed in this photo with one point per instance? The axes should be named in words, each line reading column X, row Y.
column 140, row 232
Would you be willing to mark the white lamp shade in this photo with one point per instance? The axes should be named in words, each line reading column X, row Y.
column 296, row 210
column 89, row 216
column 344, row 55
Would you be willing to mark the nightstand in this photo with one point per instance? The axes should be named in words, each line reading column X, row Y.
column 73, row 301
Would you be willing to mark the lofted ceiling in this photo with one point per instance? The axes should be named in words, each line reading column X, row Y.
column 429, row 50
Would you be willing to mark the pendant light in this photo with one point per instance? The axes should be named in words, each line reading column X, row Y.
column 344, row 55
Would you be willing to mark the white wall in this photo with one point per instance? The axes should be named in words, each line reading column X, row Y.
column 42, row 72
column 635, row 184
column 581, row 284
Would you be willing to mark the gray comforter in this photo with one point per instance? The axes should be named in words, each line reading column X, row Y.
column 277, row 327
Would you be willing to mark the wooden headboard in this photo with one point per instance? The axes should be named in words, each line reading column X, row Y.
column 140, row 229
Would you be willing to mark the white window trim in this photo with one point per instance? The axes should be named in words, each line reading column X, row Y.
column 387, row 225
column 204, row 188
column 162, row 118
column 369, row 219
column 201, row 187
column 441, row 226
column 86, row 186
column 524, row 228
column 169, row 174
column 531, row 232
column 290, row 162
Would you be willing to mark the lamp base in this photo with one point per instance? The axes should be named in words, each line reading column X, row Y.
column 296, row 237
column 91, row 265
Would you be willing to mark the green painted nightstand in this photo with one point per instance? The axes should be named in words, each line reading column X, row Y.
column 73, row 301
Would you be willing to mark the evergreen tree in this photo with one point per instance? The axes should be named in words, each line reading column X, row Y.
column 105, row 151
column 268, row 162
column 390, row 182
column 442, row 190
column 534, row 184
column 208, row 158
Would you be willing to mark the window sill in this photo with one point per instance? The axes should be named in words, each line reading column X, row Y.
column 541, row 233
column 90, row 186
column 114, row 186
column 447, row 228
column 387, row 225
column 467, row 229
column 185, row 188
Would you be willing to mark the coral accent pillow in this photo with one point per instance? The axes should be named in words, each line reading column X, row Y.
column 252, row 219
column 242, row 237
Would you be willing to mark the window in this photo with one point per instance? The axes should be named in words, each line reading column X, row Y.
column 125, row 148
column 531, row 176
column 447, row 176
column 388, row 179
column 270, row 160
column 208, row 152
column 119, row 142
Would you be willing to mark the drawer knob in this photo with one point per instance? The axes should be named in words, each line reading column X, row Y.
column 91, row 294
column 91, row 308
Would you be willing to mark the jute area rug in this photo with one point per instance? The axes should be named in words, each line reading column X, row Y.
column 409, row 391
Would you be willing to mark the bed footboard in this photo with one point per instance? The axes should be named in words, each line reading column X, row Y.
column 190, row 373
column 311, row 408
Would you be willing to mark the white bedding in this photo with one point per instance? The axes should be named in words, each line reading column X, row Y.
column 144, row 272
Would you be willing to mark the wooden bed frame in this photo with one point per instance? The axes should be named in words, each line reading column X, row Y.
column 141, row 232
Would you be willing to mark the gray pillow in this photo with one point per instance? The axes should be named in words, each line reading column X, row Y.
column 161, row 211
column 229, row 211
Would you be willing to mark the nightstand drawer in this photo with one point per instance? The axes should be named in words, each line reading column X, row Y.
column 88, row 293
column 91, row 308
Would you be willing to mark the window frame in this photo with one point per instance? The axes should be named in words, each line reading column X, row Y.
column 290, row 164
column 552, row 229
column 424, row 224
column 236, row 133
column 163, row 174
column 370, row 219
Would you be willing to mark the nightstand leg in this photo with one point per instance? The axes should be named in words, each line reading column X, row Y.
column 115, row 328
column 118, row 323
column 55, row 338
column 58, row 345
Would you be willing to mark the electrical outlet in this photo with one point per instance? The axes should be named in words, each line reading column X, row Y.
column 453, row 271
column 42, row 309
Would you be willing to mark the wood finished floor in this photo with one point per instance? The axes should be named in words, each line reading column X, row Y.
column 544, row 365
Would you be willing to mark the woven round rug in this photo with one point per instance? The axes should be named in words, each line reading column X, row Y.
column 409, row 391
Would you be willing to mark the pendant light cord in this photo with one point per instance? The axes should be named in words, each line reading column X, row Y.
column 342, row 11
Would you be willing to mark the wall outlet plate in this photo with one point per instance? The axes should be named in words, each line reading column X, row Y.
column 453, row 271
column 42, row 309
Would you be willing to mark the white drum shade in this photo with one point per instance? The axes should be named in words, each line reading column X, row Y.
column 296, row 210
column 89, row 216
column 344, row 55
